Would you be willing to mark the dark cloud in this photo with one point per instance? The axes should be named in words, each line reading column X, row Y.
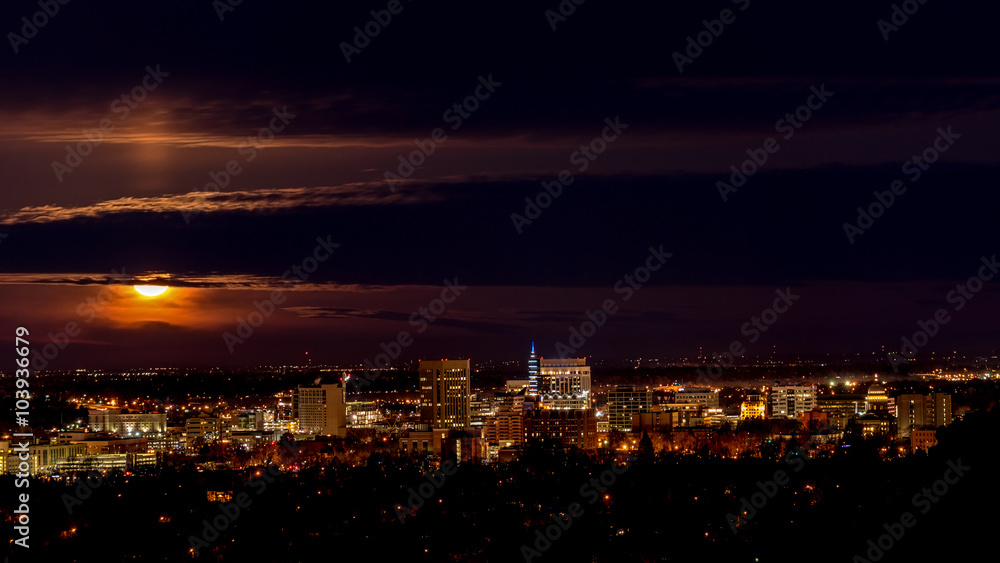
column 782, row 227
column 323, row 176
column 192, row 205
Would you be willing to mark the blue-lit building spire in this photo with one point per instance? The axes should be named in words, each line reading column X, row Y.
column 533, row 371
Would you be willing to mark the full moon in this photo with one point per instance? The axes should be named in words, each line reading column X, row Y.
column 150, row 290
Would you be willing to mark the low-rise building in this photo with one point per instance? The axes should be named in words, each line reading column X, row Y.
column 923, row 439
column 465, row 444
column 873, row 425
column 125, row 423
column 753, row 407
column 687, row 413
column 362, row 414
column 841, row 403
column 576, row 427
column 707, row 397
column 106, row 462
column 202, row 426
column 659, row 420
column 41, row 458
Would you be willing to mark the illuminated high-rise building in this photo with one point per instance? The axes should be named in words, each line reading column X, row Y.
column 625, row 401
column 444, row 393
column 321, row 409
column 914, row 411
column 789, row 401
column 481, row 408
column 533, row 372
column 568, row 375
column 565, row 383
column 506, row 428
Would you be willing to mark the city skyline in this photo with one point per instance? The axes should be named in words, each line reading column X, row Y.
column 526, row 281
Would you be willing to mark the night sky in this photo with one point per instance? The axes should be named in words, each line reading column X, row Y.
column 837, row 103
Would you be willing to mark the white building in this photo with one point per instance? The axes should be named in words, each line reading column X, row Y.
column 789, row 401
column 321, row 409
column 707, row 397
column 565, row 382
column 125, row 423
column 362, row 414
column 40, row 458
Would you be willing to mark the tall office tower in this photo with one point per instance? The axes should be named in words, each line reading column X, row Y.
column 532, row 372
column 444, row 393
column 565, row 383
column 321, row 409
column 480, row 409
column 623, row 402
column 284, row 417
column 914, row 411
column 506, row 428
column 789, row 401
